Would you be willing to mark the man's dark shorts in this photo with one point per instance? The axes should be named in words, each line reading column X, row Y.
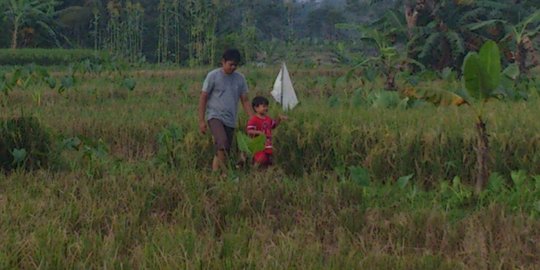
column 223, row 135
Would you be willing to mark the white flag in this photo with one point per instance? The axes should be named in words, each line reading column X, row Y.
column 283, row 91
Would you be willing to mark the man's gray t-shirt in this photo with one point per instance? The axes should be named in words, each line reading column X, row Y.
column 224, row 91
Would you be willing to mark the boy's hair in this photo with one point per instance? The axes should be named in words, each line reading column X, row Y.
column 258, row 100
column 232, row 55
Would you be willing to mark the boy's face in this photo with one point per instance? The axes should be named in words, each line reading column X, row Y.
column 229, row 66
column 261, row 109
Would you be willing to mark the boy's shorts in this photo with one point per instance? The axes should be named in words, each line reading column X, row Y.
column 262, row 158
column 223, row 135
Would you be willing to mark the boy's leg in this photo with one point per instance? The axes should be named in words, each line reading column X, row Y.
column 260, row 159
column 222, row 142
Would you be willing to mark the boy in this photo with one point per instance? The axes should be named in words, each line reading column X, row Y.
column 218, row 105
column 259, row 124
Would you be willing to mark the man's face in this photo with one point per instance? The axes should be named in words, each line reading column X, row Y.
column 229, row 66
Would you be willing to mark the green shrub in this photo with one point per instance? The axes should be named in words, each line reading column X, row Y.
column 24, row 143
column 49, row 57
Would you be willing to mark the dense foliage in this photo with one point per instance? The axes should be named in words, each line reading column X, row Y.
column 435, row 33
column 50, row 57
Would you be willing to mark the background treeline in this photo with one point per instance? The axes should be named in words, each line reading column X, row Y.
column 194, row 32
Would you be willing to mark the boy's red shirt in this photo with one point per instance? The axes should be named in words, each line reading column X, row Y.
column 266, row 125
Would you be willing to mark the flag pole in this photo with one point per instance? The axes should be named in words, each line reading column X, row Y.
column 282, row 75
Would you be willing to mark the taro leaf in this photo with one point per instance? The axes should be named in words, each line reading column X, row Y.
column 250, row 145
column 511, row 71
column 5, row 87
column 66, row 83
column 129, row 83
column 19, row 155
column 359, row 175
column 51, row 82
column 403, row 181
column 519, row 178
column 370, row 74
column 384, row 99
column 16, row 76
column 73, row 143
column 333, row 102
column 496, row 183
column 242, row 141
column 456, row 182
column 537, row 182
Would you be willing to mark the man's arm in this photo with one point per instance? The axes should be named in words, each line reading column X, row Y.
column 247, row 105
column 203, row 99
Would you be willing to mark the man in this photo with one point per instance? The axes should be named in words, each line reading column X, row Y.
column 218, row 104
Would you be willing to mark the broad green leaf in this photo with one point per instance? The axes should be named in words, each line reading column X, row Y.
column 472, row 75
column 360, row 176
column 51, row 82
column 73, row 143
column 250, row 145
column 19, row 155
column 511, row 71
column 491, row 63
column 404, row 180
column 519, row 178
column 456, row 182
column 537, row 182
column 16, row 77
column 482, row 71
column 242, row 140
column 496, row 183
column 129, row 83
column 256, row 144
column 67, row 82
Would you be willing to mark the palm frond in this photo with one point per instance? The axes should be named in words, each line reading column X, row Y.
column 457, row 44
column 494, row 5
column 430, row 45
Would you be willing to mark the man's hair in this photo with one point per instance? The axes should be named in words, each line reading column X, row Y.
column 232, row 55
column 258, row 100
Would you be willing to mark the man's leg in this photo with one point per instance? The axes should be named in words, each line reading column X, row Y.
column 222, row 141
column 219, row 161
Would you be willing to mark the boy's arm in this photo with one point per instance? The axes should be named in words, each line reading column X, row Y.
column 246, row 105
column 278, row 120
column 203, row 99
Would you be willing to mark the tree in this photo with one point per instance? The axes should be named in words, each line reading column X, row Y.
column 520, row 36
column 21, row 12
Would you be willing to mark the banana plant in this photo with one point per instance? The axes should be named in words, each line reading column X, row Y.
column 22, row 12
column 389, row 61
column 520, row 34
column 481, row 77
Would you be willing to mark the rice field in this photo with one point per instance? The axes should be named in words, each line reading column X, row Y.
column 360, row 182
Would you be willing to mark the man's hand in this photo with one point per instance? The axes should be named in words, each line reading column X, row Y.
column 202, row 127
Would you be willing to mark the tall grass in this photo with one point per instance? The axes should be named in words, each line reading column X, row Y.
column 148, row 218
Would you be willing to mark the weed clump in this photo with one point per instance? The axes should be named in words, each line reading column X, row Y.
column 24, row 143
